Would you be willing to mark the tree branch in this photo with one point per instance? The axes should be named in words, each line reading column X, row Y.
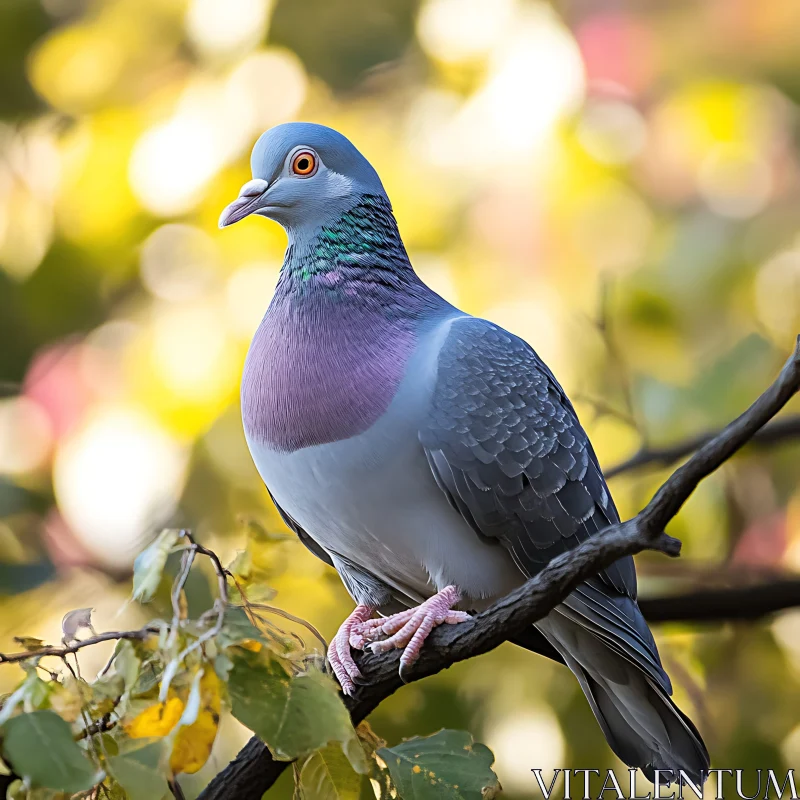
column 776, row 432
column 723, row 605
column 254, row 770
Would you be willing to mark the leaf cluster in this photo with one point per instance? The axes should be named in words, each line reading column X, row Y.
column 153, row 713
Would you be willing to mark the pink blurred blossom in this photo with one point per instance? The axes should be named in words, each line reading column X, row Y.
column 63, row 547
column 54, row 382
column 619, row 49
column 763, row 543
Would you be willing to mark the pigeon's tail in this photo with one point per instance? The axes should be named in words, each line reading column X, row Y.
column 630, row 700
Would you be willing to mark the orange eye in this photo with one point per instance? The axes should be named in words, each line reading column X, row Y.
column 304, row 163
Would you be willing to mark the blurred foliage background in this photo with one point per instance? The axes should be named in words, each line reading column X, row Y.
column 617, row 182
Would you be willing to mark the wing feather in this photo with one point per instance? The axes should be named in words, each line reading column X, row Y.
column 506, row 447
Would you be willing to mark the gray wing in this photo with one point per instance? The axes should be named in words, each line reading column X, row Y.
column 304, row 538
column 505, row 445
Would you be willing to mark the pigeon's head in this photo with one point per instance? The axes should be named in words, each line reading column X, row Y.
column 303, row 175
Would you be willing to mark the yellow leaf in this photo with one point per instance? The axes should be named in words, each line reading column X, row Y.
column 328, row 775
column 193, row 742
column 369, row 738
column 29, row 642
column 157, row 720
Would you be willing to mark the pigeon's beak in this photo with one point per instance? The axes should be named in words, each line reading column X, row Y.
column 250, row 199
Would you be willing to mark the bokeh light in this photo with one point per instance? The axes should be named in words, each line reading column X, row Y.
column 612, row 131
column 117, row 479
column 534, row 77
column 226, row 27
column 178, row 262
column 619, row 184
column 172, row 163
column 26, row 436
column 460, row 30
column 523, row 739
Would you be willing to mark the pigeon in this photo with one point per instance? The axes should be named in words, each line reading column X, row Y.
column 429, row 456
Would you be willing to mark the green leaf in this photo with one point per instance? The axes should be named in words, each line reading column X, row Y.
column 237, row 628
column 11, row 702
column 18, row 791
column 223, row 666
column 40, row 748
column 446, row 766
column 113, row 791
column 138, row 771
column 150, row 674
column 293, row 715
column 149, row 565
column 328, row 775
column 106, row 691
column 354, row 751
column 32, row 692
column 126, row 663
column 252, row 579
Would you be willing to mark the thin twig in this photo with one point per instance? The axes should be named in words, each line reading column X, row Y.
column 292, row 618
column 603, row 409
column 220, row 605
column 102, row 725
column 187, row 559
column 269, row 629
column 110, row 661
column 277, row 634
column 222, row 582
column 254, row 770
column 85, row 716
column 60, row 652
column 604, row 328
column 776, row 432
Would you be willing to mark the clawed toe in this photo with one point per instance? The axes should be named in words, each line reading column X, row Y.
column 410, row 629
column 344, row 667
column 339, row 657
column 367, row 631
column 373, row 630
column 407, row 630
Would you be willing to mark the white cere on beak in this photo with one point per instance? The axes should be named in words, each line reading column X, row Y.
column 245, row 204
column 253, row 188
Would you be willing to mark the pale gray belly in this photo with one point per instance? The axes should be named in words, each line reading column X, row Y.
column 373, row 500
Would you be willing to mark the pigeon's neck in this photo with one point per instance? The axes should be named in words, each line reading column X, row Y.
column 361, row 252
column 332, row 350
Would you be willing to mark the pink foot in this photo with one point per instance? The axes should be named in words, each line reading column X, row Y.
column 410, row 628
column 342, row 664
